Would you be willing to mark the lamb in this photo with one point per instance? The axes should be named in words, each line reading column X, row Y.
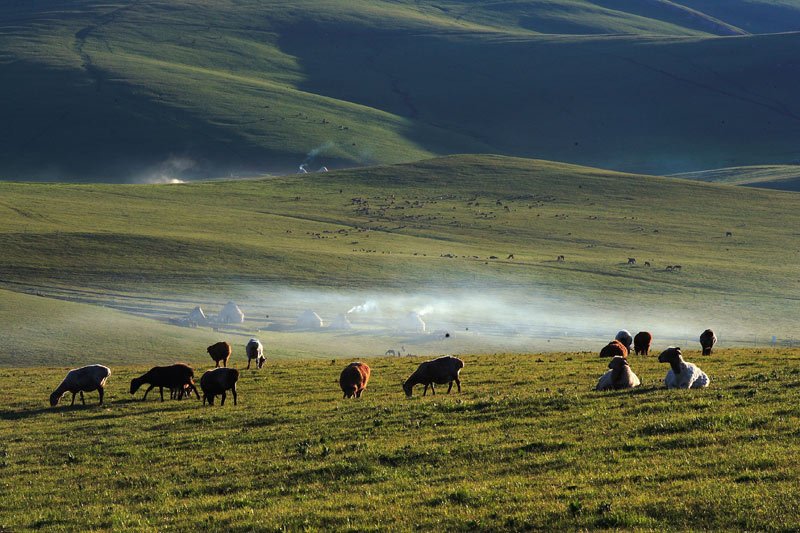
column 619, row 377
column 641, row 342
column 707, row 341
column 220, row 352
column 442, row 370
column 85, row 379
column 682, row 375
column 255, row 350
column 219, row 381
column 178, row 378
column 624, row 336
column 354, row 378
column 613, row 349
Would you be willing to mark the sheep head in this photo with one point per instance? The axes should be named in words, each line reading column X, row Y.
column 55, row 397
column 618, row 363
column 407, row 388
column 135, row 384
column 671, row 355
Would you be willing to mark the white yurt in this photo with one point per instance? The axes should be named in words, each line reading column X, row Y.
column 197, row 315
column 412, row 322
column 309, row 319
column 231, row 314
column 341, row 322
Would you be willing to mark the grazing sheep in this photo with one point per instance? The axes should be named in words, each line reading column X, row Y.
column 619, row 377
column 177, row 378
column 647, row 263
column 255, row 350
column 707, row 341
column 442, row 370
column 219, row 381
column 85, row 379
column 641, row 342
column 613, row 349
column 353, row 379
column 631, row 261
column 624, row 336
column 682, row 375
column 560, row 259
column 220, row 352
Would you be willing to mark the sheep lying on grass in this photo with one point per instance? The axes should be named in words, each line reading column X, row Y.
column 707, row 341
column 219, row 381
column 682, row 375
column 625, row 338
column 614, row 348
column 220, row 352
column 353, row 379
column 255, row 350
column 442, row 370
column 178, row 378
column 641, row 342
column 619, row 377
column 85, row 379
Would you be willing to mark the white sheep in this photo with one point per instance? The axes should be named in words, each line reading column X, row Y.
column 624, row 336
column 682, row 375
column 255, row 350
column 85, row 379
column 619, row 377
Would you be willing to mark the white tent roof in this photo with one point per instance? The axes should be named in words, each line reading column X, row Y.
column 309, row 319
column 231, row 314
column 341, row 322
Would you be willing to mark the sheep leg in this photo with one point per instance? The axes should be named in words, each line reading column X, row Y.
column 83, row 401
column 458, row 384
column 248, row 363
column 222, row 402
column 161, row 390
column 73, row 399
column 217, row 365
column 148, row 390
column 425, row 392
column 100, row 390
column 433, row 390
column 234, row 394
column 450, row 387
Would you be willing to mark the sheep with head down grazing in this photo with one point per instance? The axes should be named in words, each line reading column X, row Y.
column 80, row 380
column 613, row 349
column 707, row 341
column 619, row 377
column 682, row 375
column 353, row 379
column 625, row 338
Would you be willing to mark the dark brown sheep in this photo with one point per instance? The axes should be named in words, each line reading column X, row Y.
column 707, row 341
column 614, row 348
column 353, row 379
column 442, row 370
column 219, row 381
column 220, row 352
column 178, row 377
column 641, row 342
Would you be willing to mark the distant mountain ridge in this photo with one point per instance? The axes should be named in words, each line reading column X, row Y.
column 157, row 90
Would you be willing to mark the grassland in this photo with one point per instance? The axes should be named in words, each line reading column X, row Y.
column 525, row 447
column 157, row 90
column 781, row 177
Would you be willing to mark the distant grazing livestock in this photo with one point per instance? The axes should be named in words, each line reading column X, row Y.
column 255, row 350
column 707, row 341
column 676, row 267
column 177, row 378
column 219, row 381
column 669, row 268
column 624, row 336
column 682, row 375
column 353, row 379
column 391, row 353
column 631, row 261
column 613, row 349
column 641, row 342
column 647, row 263
column 220, row 352
column 440, row 371
column 560, row 259
column 85, row 379
column 619, row 377
column 729, row 234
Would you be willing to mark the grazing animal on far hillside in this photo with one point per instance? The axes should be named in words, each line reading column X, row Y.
column 647, row 263
column 614, row 348
column 641, row 342
column 219, row 381
column 631, row 261
column 80, row 380
column 624, row 336
column 177, row 378
column 353, row 379
column 220, row 353
column 255, row 350
column 707, row 341
column 682, row 375
column 560, row 259
column 619, row 377
column 443, row 370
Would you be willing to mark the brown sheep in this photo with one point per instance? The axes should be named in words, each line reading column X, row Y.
column 641, row 342
column 707, row 341
column 353, row 379
column 220, row 352
column 442, row 370
column 219, row 381
column 177, row 377
column 614, row 348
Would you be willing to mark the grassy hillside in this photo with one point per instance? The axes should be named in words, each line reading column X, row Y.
column 781, row 177
column 154, row 91
column 525, row 446
column 435, row 232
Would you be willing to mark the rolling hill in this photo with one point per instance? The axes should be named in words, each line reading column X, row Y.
column 781, row 177
column 153, row 91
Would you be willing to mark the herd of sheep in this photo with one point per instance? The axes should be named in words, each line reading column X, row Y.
column 179, row 377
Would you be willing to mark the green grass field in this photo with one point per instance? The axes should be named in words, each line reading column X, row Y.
column 152, row 91
column 780, row 177
column 526, row 446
